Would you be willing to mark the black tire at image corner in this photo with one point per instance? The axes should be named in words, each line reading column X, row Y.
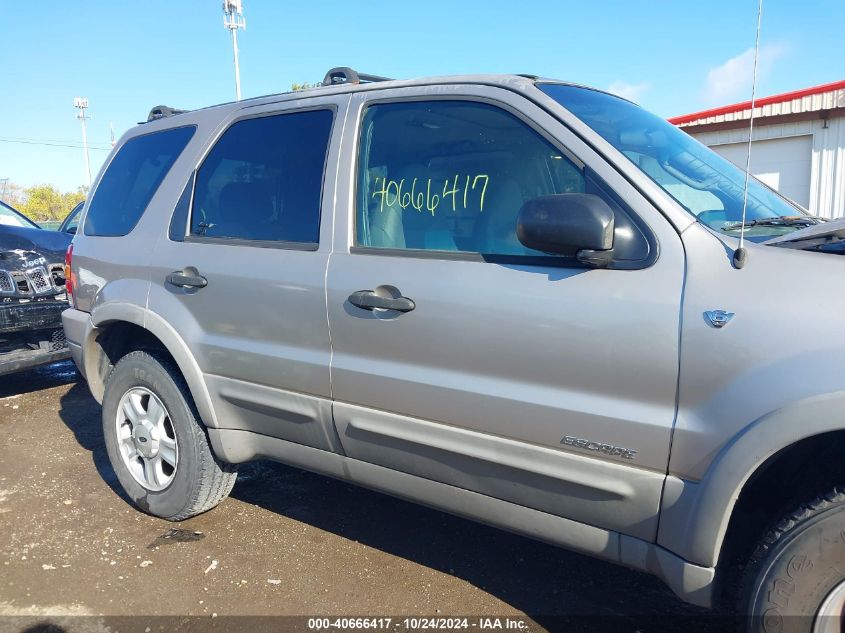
column 796, row 566
column 200, row 481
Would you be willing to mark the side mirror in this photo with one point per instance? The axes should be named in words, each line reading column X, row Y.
column 578, row 225
column 71, row 230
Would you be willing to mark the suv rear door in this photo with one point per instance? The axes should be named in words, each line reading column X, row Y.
column 503, row 371
column 241, row 273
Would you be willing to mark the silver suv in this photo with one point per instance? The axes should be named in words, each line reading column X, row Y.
column 514, row 299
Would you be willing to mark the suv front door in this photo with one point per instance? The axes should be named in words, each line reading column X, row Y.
column 491, row 367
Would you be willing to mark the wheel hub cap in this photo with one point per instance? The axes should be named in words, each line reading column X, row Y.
column 146, row 439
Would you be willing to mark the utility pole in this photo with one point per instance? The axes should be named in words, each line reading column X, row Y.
column 233, row 19
column 81, row 104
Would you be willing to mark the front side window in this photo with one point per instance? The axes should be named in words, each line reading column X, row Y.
column 131, row 180
column 263, row 180
column 453, row 175
column 708, row 186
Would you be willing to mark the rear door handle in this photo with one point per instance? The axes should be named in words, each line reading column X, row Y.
column 369, row 300
column 187, row 278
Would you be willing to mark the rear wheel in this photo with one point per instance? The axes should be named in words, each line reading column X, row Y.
column 156, row 443
column 795, row 580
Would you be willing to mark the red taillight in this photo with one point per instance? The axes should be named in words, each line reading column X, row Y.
column 69, row 274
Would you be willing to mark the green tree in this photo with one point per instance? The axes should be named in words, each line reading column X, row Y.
column 71, row 198
column 298, row 87
column 43, row 202
column 46, row 202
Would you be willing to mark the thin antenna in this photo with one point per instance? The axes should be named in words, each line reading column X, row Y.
column 740, row 253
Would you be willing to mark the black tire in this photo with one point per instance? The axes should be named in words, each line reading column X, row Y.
column 796, row 565
column 200, row 481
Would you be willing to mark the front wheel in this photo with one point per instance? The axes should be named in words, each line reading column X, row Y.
column 156, row 443
column 795, row 580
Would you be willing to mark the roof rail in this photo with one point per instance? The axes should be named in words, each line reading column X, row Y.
column 161, row 111
column 345, row 75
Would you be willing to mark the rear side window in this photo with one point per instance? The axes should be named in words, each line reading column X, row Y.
column 132, row 179
column 263, row 180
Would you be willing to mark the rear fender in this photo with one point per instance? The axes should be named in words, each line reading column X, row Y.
column 109, row 313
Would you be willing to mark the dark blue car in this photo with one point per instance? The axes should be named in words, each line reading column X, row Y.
column 32, row 292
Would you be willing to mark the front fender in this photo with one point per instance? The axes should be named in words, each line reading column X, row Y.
column 774, row 375
column 695, row 515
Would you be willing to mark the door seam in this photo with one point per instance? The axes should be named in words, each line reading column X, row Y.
column 333, row 225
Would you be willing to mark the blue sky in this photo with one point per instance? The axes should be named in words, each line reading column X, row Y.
column 127, row 56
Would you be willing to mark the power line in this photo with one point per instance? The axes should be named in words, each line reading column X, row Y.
column 48, row 140
column 28, row 142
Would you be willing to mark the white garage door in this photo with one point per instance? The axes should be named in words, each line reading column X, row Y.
column 782, row 163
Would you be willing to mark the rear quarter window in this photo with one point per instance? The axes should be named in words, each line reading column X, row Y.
column 131, row 180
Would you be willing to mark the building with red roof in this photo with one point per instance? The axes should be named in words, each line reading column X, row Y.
column 798, row 144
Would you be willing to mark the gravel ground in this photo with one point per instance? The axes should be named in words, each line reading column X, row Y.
column 286, row 542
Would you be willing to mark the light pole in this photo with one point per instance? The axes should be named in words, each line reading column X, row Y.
column 233, row 19
column 81, row 103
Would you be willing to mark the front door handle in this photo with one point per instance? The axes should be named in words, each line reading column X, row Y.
column 369, row 300
column 187, row 278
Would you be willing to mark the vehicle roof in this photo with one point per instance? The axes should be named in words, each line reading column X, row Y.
column 515, row 82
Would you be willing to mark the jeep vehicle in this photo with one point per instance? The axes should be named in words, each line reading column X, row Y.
column 510, row 298
column 32, row 293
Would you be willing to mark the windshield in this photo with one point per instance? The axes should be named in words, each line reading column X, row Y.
column 10, row 217
column 705, row 184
